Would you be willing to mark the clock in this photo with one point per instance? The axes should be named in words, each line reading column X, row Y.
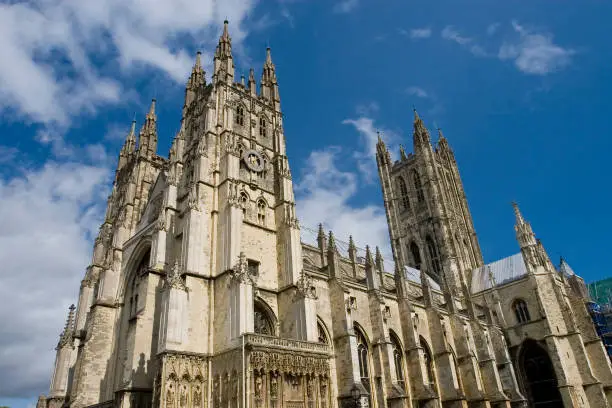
column 253, row 160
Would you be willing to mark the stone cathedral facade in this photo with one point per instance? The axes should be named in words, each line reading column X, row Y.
column 202, row 294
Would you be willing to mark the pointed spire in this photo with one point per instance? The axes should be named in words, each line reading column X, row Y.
column 269, row 87
column 369, row 262
column 242, row 81
column 381, row 150
column 224, row 66
column 517, row 213
column 130, row 141
column 421, row 134
column 352, row 248
column 151, row 115
column 403, row 153
column 197, row 73
column 380, row 262
column 147, row 141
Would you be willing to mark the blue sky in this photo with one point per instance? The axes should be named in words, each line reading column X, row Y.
column 520, row 90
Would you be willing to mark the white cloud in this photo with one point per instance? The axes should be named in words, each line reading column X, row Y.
column 324, row 195
column 451, row 34
column 418, row 33
column 345, row 6
column 365, row 156
column 48, row 216
column 492, row 28
column 51, row 66
column 418, row 92
column 535, row 53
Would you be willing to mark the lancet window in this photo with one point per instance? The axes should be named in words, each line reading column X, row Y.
column 434, row 256
column 263, row 127
column 398, row 359
column 244, row 203
column 416, row 255
column 363, row 356
column 403, row 193
column 239, row 115
column 521, row 311
column 261, row 212
column 417, row 186
column 134, row 288
column 429, row 363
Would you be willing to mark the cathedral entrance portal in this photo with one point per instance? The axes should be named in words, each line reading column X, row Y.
column 539, row 376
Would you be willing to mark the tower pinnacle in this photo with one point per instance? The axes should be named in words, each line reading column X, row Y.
column 524, row 234
column 421, row 134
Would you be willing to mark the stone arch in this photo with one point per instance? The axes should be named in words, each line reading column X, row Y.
column 398, row 357
column 323, row 333
column 363, row 355
column 142, row 249
column 264, row 319
column 537, row 375
column 416, row 255
column 418, row 187
column 430, row 370
column 434, row 255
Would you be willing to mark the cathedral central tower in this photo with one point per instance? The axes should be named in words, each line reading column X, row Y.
column 430, row 224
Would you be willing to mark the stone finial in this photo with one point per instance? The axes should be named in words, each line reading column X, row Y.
column 352, row 249
column 369, row 262
column 380, row 262
column 403, row 153
column 420, row 134
column 331, row 244
column 66, row 336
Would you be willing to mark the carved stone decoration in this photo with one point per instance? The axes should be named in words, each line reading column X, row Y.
column 305, row 287
column 174, row 278
column 289, row 363
column 240, row 272
column 258, row 390
column 183, row 396
column 193, row 200
column 170, row 396
column 273, row 385
column 351, row 303
column 323, row 391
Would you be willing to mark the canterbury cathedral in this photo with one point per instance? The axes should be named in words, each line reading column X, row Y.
column 203, row 293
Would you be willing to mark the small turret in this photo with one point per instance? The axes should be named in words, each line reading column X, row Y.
column 331, row 244
column 147, row 141
column 380, row 262
column 252, row 83
column 129, row 146
column 421, row 134
column 269, row 83
column 382, row 153
column 223, row 60
column 524, row 234
column 352, row 249
column 369, row 262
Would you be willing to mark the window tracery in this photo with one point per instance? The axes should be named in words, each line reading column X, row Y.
column 263, row 129
column 134, row 288
column 262, row 323
column 239, row 115
column 521, row 311
column 261, row 212
column 403, row 191
column 429, row 363
column 362, row 355
column 434, row 256
column 322, row 335
column 417, row 186
column 398, row 359
column 416, row 255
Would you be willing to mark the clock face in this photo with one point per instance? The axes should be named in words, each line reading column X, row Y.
column 253, row 160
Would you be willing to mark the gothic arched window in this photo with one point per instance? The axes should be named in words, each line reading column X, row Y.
column 261, row 212
column 362, row 355
column 240, row 115
column 433, row 255
column 416, row 255
column 134, row 288
column 403, row 192
column 429, row 363
column 263, row 129
column 262, row 321
column 322, row 334
column 398, row 358
column 521, row 311
column 244, row 203
column 417, row 186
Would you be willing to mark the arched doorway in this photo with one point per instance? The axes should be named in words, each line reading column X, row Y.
column 539, row 376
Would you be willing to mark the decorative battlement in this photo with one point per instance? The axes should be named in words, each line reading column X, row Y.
column 258, row 340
